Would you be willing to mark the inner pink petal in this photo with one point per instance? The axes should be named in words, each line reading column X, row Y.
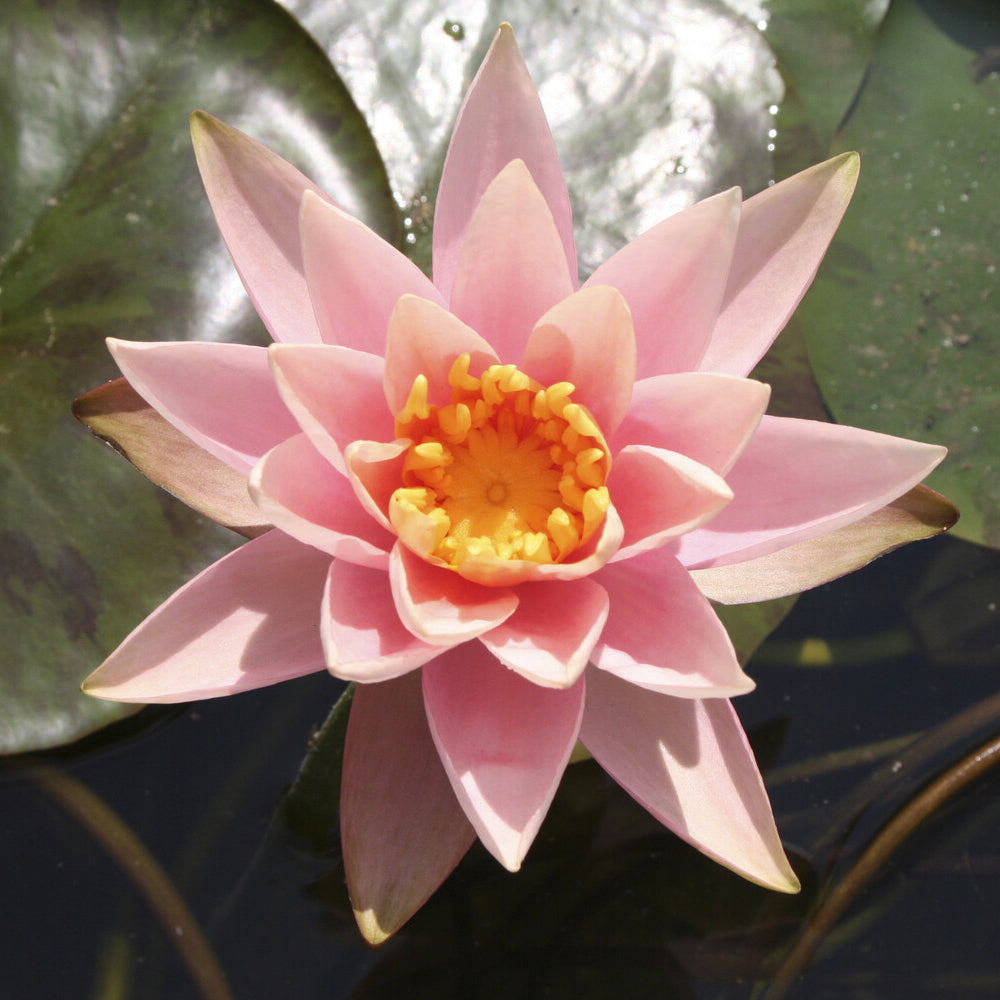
column 707, row 417
column 501, row 120
column 341, row 255
column 363, row 638
column 549, row 637
column 661, row 495
column 504, row 743
column 425, row 339
column 298, row 490
column 440, row 607
column 673, row 277
column 662, row 633
column 513, row 265
column 336, row 394
column 574, row 341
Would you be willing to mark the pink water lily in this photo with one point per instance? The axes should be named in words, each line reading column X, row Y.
column 495, row 494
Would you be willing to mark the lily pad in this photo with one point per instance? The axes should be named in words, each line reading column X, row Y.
column 647, row 115
column 901, row 323
column 104, row 230
column 823, row 49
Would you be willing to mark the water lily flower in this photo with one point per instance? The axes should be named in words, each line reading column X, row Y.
column 499, row 499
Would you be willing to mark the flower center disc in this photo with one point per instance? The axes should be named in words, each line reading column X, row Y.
column 508, row 470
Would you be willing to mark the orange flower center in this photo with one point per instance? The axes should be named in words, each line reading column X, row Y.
column 507, row 470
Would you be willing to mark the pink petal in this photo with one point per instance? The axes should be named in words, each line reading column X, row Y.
column 504, row 743
column 784, row 232
column 441, row 608
column 549, row 637
column 919, row 513
column 222, row 396
column 336, row 394
column 512, row 268
column 574, row 341
column 707, row 417
column 299, row 492
column 375, row 472
column 661, row 495
column 798, row 479
column 425, row 339
column 255, row 196
column 501, row 120
column 249, row 620
column 402, row 830
column 689, row 763
column 662, row 634
column 363, row 638
column 340, row 256
column 673, row 277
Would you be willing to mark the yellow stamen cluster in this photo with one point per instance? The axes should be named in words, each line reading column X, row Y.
column 507, row 470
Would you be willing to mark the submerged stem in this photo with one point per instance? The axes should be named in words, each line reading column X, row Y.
column 883, row 846
column 142, row 868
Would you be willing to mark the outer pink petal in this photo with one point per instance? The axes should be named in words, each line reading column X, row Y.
column 801, row 478
column 673, row 277
column 401, row 828
column 425, row 339
column 512, row 268
column 504, row 742
column 249, row 620
column 661, row 495
column 299, row 492
column 707, row 417
column 501, row 120
column 662, row 634
column 375, row 472
column 336, row 394
column 363, row 638
column 574, row 341
column 222, row 396
column 255, row 196
column 355, row 278
column 689, row 763
column 784, row 232
column 441, row 608
column 549, row 637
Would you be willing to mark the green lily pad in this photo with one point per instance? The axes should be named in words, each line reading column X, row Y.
column 823, row 49
column 105, row 230
column 901, row 323
column 647, row 117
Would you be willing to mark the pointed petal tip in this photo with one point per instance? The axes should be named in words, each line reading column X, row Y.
column 781, row 879
column 371, row 930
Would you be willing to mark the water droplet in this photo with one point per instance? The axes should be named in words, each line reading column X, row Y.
column 455, row 30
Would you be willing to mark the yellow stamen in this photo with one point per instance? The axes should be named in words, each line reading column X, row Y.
column 507, row 470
